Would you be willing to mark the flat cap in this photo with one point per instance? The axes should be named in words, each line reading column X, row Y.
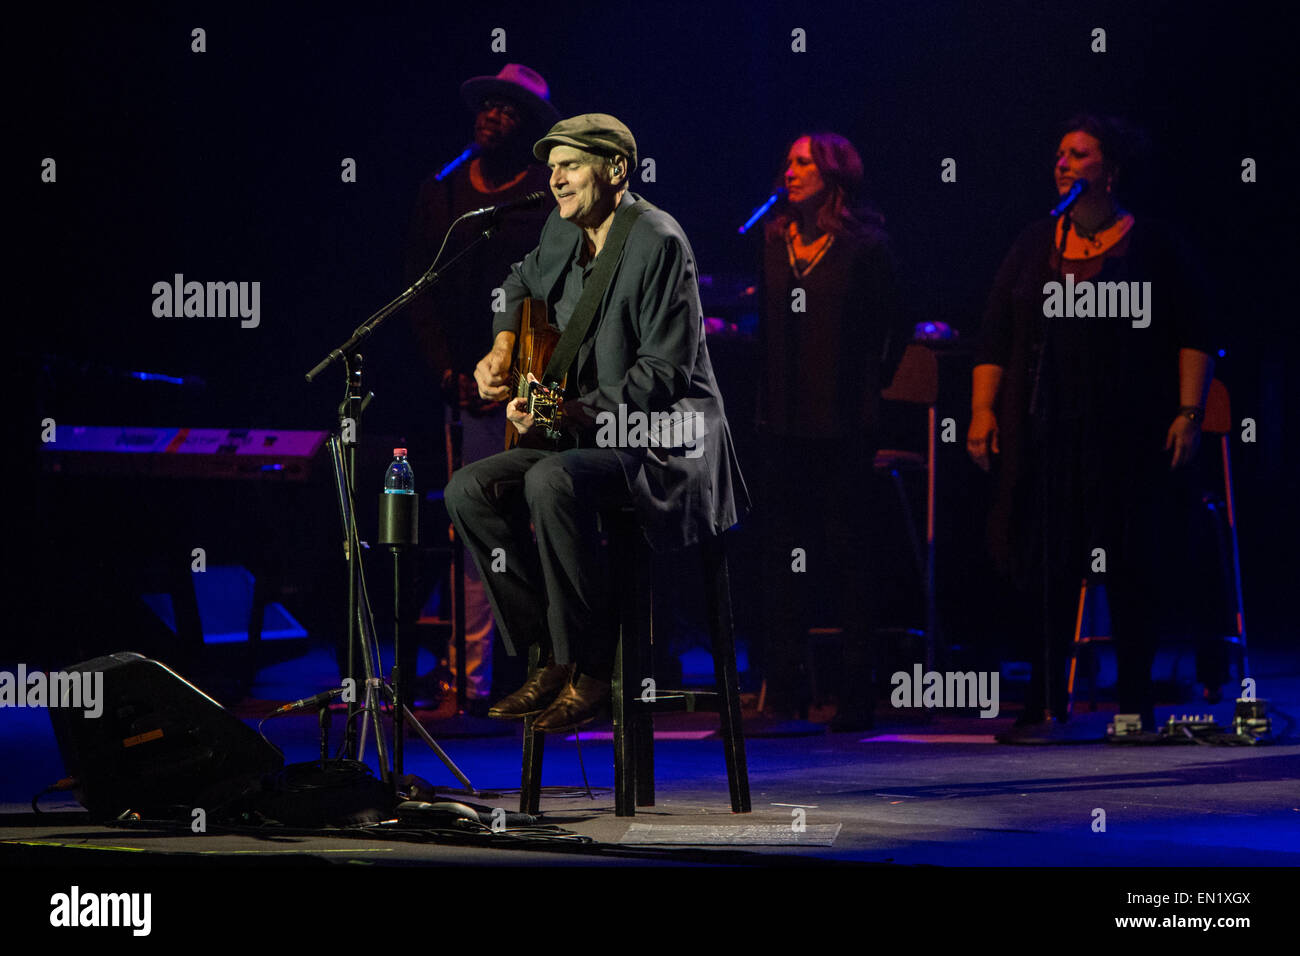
column 597, row 133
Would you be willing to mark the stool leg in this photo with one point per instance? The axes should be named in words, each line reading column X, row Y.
column 718, row 586
column 1244, row 668
column 644, row 747
column 530, row 787
column 624, row 753
column 1074, row 653
column 1094, row 664
column 530, row 790
column 642, row 713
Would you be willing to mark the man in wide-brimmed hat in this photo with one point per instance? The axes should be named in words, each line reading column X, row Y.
column 511, row 109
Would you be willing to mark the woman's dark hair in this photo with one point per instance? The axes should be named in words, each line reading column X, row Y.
column 843, row 211
column 1123, row 145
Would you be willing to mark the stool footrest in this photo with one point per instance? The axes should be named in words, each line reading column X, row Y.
column 688, row 701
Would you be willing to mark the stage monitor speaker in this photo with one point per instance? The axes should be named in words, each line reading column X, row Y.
column 158, row 744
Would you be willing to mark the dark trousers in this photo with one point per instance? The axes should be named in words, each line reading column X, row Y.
column 820, row 522
column 555, row 592
column 1134, row 620
column 1099, row 495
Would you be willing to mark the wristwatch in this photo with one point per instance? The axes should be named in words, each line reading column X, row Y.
column 1193, row 413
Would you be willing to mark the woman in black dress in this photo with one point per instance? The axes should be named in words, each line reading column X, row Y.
column 830, row 314
column 1086, row 418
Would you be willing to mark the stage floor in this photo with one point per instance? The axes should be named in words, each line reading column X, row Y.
column 916, row 790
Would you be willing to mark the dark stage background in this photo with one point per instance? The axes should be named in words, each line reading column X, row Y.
column 225, row 165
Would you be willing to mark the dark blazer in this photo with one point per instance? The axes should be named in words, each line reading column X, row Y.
column 646, row 350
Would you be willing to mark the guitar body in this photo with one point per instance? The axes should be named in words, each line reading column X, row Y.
column 534, row 344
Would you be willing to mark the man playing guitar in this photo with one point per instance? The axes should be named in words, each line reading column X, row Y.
column 638, row 343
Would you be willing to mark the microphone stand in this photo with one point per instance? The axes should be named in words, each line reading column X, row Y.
column 430, row 277
column 399, row 529
column 343, row 444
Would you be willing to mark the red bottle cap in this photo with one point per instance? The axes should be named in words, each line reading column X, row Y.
column 399, row 452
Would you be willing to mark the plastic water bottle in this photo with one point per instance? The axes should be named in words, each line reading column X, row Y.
column 399, row 479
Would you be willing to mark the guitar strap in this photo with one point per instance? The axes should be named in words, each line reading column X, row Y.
column 593, row 292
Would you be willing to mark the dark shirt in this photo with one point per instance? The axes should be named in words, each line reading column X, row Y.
column 823, row 368
column 1099, row 369
column 1107, row 394
column 575, row 279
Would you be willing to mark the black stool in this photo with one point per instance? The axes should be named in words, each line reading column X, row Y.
column 633, row 704
column 917, row 383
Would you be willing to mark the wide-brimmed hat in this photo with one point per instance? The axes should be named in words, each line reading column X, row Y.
column 597, row 133
column 518, row 84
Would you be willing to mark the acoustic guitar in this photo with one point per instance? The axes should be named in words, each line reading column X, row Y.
column 534, row 344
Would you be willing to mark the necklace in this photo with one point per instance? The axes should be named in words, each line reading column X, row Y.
column 1107, row 236
column 1091, row 234
column 814, row 250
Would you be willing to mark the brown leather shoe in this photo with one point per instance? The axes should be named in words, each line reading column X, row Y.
column 578, row 704
column 538, row 691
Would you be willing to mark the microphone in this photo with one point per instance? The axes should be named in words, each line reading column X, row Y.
column 316, row 701
column 761, row 211
column 185, row 381
column 469, row 152
column 1069, row 199
column 530, row 201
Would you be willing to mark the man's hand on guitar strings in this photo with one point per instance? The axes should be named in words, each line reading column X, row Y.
column 492, row 375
